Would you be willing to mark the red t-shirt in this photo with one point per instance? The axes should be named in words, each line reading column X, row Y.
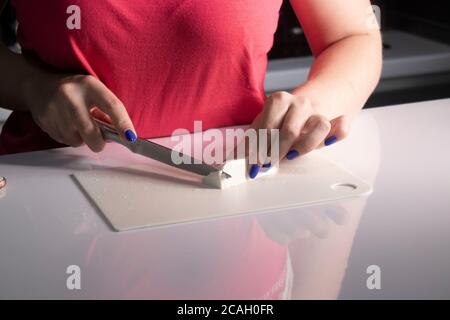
column 169, row 61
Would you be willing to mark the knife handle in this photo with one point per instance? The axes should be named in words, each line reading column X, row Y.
column 109, row 133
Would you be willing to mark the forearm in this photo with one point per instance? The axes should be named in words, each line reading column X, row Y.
column 344, row 75
column 16, row 78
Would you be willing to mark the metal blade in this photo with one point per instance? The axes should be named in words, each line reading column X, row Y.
column 158, row 152
column 163, row 154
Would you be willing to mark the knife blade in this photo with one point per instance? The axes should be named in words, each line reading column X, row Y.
column 158, row 152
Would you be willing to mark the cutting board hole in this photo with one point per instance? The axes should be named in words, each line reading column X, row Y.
column 344, row 186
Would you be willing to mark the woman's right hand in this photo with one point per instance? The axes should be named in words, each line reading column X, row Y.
column 64, row 107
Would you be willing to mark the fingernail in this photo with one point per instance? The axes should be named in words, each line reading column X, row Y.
column 254, row 170
column 291, row 155
column 330, row 140
column 130, row 135
column 267, row 165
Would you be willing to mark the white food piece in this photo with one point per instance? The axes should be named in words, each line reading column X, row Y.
column 238, row 170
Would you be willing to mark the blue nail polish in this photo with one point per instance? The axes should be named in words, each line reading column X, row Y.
column 330, row 140
column 267, row 165
column 291, row 155
column 130, row 135
column 254, row 170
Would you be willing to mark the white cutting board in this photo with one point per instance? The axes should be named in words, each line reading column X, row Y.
column 136, row 197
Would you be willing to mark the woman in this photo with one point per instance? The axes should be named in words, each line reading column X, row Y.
column 151, row 67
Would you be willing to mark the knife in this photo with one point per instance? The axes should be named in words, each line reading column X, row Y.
column 158, row 152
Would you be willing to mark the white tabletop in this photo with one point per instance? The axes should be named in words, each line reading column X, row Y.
column 47, row 224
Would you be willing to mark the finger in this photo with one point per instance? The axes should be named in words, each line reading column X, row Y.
column 56, row 134
column 100, row 115
column 275, row 108
column 318, row 129
column 72, row 138
column 318, row 225
column 283, row 230
column 272, row 117
column 337, row 214
column 340, row 128
column 293, row 125
column 100, row 96
column 89, row 131
column 85, row 125
column 251, row 139
column 57, row 137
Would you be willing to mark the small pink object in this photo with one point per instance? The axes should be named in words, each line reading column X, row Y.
column 2, row 182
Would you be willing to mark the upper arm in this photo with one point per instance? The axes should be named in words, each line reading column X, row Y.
column 328, row 21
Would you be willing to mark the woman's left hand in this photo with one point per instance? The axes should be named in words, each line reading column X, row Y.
column 302, row 128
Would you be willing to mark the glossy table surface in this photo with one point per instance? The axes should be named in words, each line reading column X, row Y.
column 402, row 231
